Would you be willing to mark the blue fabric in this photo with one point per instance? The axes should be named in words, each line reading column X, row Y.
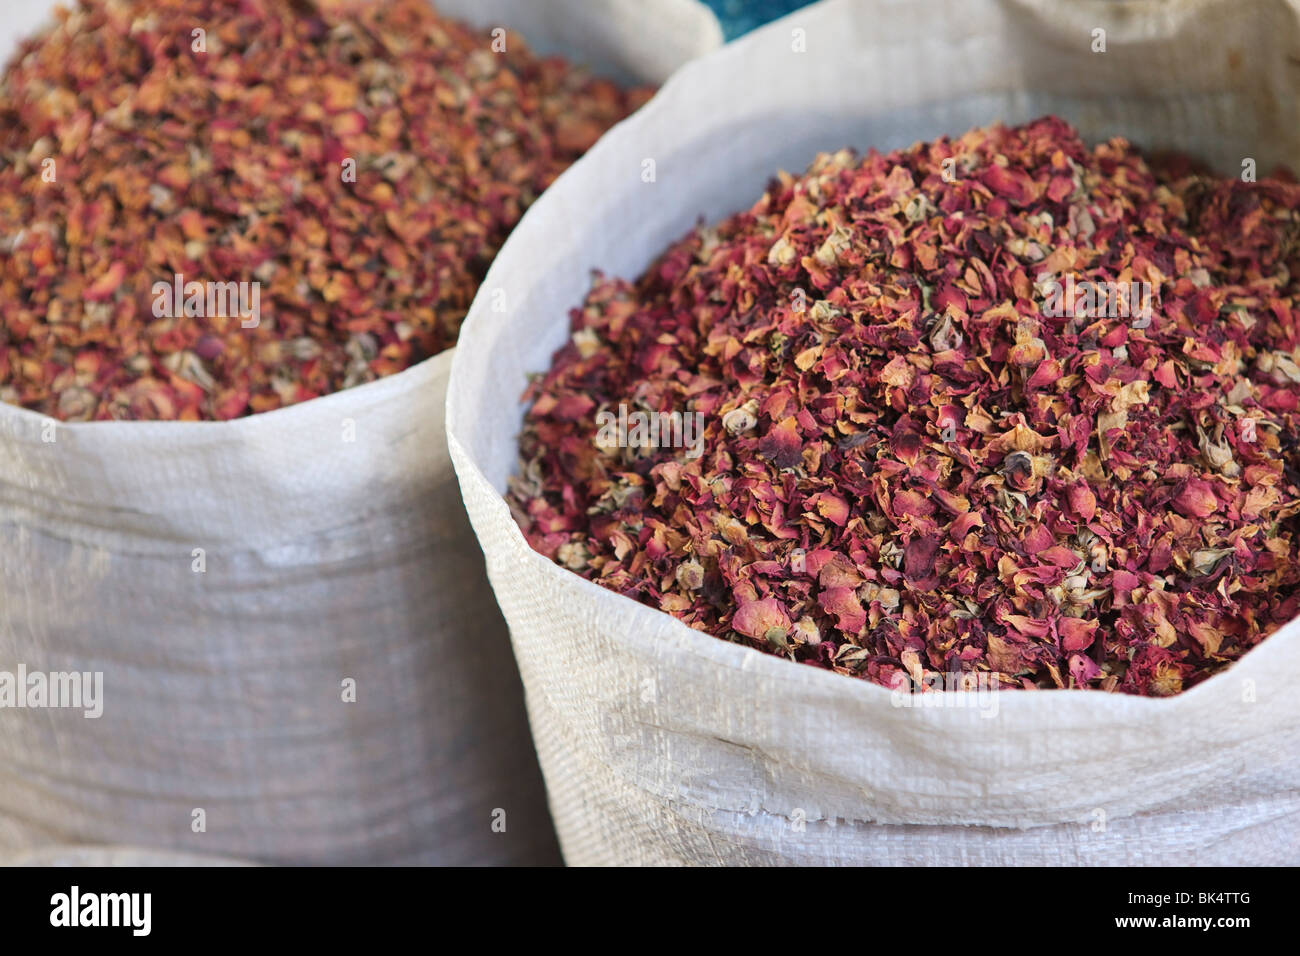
column 741, row 16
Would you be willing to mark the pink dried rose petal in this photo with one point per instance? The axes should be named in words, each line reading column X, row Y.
column 1196, row 499
column 831, row 507
column 1082, row 502
column 1083, row 669
column 1076, row 633
column 1013, row 184
column 843, row 605
column 756, row 618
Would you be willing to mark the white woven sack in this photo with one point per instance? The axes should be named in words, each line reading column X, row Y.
column 325, row 560
column 113, row 856
column 661, row 744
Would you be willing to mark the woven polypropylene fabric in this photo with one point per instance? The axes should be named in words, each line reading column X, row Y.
column 113, row 856
column 660, row 744
column 323, row 560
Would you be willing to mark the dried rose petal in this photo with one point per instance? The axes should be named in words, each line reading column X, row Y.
column 843, row 605
column 361, row 162
column 1082, row 502
column 1076, row 633
column 782, row 445
column 913, row 446
column 1196, row 499
column 756, row 618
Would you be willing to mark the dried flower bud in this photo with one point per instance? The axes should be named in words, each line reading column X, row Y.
column 573, row 555
column 742, row 419
column 836, row 244
column 776, row 636
column 782, row 253
column 587, row 342
column 1167, row 682
column 690, row 575
column 945, row 336
column 1217, row 455
column 1206, row 560
column 1029, row 348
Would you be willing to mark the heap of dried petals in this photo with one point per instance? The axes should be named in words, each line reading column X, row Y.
column 344, row 170
column 942, row 437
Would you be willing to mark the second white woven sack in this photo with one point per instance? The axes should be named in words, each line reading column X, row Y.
column 660, row 744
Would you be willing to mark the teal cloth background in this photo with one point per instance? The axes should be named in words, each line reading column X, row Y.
column 741, row 16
